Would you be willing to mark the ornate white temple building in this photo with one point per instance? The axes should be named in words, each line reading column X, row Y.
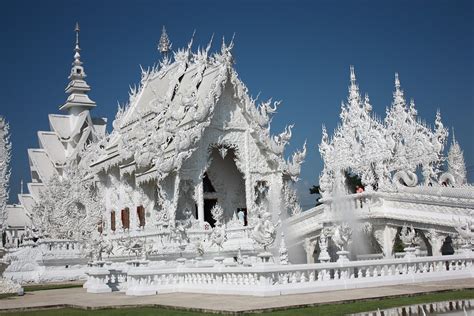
column 191, row 176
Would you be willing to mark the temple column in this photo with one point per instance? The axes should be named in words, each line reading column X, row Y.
column 309, row 246
column 200, row 201
column 385, row 236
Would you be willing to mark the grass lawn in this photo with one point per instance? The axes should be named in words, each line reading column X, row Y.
column 40, row 287
column 329, row 309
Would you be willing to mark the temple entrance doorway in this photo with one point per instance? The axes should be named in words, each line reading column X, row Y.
column 224, row 184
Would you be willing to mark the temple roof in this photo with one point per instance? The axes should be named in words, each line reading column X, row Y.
column 16, row 216
column 169, row 111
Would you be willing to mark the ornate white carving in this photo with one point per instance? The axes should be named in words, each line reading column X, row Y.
column 264, row 232
column 375, row 150
column 5, row 156
column 342, row 236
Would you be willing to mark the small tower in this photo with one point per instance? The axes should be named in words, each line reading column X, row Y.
column 78, row 100
column 164, row 45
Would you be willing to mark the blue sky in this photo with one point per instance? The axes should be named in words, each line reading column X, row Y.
column 295, row 51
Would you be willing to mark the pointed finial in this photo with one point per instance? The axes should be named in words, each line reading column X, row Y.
column 454, row 137
column 368, row 106
column 353, row 77
column 397, row 81
column 77, row 29
column 77, row 49
column 21, row 186
column 164, row 44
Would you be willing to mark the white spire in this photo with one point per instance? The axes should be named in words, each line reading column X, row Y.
column 456, row 163
column 164, row 45
column 77, row 88
column 397, row 82
column 353, row 76
column 77, row 49
column 398, row 97
column 354, row 98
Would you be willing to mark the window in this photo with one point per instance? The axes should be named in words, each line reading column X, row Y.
column 112, row 221
column 141, row 216
column 125, row 216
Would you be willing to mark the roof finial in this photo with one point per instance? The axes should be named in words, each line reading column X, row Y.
column 164, row 45
column 397, row 82
column 77, row 87
column 77, row 49
column 353, row 76
column 77, row 29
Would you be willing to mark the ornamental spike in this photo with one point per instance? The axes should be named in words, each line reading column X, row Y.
column 353, row 77
column 77, row 49
column 164, row 45
column 397, row 82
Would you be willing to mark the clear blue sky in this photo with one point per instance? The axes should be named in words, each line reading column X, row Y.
column 294, row 51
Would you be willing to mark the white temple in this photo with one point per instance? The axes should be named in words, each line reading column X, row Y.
column 190, row 192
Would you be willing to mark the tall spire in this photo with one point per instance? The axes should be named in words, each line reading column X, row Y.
column 398, row 97
column 164, row 44
column 354, row 96
column 77, row 88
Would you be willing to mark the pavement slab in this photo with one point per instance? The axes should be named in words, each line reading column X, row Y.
column 79, row 298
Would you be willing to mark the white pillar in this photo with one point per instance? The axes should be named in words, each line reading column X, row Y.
column 200, row 201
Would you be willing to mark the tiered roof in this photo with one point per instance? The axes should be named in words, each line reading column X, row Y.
column 69, row 133
column 167, row 115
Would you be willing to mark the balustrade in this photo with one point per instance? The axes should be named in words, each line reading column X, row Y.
column 286, row 279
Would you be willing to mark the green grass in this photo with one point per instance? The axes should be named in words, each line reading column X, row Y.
column 370, row 305
column 328, row 309
column 7, row 295
column 40, row 287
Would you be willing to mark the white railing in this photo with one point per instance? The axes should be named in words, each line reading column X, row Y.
column 60, row 248
column 272, row 279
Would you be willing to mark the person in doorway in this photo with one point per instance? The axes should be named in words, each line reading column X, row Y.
column 359, row 189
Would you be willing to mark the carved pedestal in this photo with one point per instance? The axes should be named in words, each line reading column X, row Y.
column 97, row 280
column 342, row 256
column 385, row 236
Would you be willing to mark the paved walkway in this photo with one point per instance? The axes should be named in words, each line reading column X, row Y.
column 77, row 297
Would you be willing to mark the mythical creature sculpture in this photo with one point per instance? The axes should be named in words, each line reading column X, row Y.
column 264, row 232
column 283, row 251
column 447, row 179
column 405, row 178
column 342, row 235
column 218, row 234
column 465, row 231
column 323, row 246
column 180, row 231
column 408, row 236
